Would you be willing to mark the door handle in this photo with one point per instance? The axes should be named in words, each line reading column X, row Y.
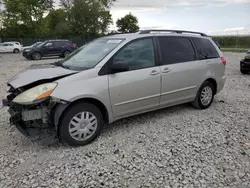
column 166, row 70
column 154, row 72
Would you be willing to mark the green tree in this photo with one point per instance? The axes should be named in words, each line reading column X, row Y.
column 90, row 18
column 127, row 24
column 28, row 13
column 58, row 23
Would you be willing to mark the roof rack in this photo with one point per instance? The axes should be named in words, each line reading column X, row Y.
column 172, row 31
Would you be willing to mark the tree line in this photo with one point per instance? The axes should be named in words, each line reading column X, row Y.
column 39, row 18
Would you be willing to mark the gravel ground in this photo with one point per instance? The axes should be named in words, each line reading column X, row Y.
column 174, row 147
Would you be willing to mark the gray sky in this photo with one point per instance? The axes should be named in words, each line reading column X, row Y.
column 210, row 16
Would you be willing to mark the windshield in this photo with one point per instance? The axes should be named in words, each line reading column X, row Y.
column 39, row 45
column 36, row 44
column 89, row 55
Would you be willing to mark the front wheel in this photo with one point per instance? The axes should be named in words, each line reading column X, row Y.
column 81, row 124
column 204, row 96
column 36, row 56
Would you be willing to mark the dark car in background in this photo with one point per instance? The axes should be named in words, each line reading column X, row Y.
column 245, row 64
column 61, row 48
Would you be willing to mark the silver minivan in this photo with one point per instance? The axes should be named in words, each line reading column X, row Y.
column 114, row 77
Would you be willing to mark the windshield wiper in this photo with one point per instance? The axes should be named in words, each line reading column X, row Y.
column 60, row 64
column 64, row 66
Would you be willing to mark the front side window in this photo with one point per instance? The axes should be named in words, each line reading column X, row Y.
column 176, row 50
column 138, row 54
column 205, row 48
column 89, row 55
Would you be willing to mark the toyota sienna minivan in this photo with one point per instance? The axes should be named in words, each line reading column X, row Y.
column 114, row 77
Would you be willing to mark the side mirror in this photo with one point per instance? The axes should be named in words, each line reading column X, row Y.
column 119, row 66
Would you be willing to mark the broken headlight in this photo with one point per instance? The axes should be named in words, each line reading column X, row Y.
column 35, row 94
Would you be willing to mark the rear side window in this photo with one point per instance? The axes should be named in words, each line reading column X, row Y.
column 176, row 50
column 58, row 43
column 205, row 48
column 67, row 43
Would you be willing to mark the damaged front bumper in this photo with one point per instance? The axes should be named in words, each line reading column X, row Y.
column 31, row 119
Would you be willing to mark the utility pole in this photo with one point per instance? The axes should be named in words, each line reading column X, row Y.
column 236, row 41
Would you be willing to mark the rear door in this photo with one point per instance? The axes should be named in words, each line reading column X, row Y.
column 60, row 47
column 50, row 48
column 180, row 69
column 9, row 47
column 209, row 56
column 67, row 46
column 136, row 90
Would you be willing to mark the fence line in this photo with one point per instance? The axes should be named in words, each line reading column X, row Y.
column 224, row 41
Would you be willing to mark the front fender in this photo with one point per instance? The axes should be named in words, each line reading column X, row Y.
column 86, row 84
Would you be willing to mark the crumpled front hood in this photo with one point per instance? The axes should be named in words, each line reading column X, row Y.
column 38, row 72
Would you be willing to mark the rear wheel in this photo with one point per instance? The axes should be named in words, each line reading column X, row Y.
column 16, row 50
column 81, row 124
column 36, row 56
column 66, row 53
column 204, row 96
column 244, row 71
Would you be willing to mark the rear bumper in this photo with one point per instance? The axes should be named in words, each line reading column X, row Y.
column 245, row 65
column 221, row 84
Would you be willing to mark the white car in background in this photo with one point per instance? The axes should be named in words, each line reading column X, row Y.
column 10, row 47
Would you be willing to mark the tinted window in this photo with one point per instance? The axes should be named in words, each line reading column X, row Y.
column 58, row 43
column 176, row 50
column 138, row 54
column 67, row 43
column 8, row 44
column 205, row 48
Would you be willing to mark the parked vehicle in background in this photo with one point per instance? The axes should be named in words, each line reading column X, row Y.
column 31, row 46
column 60, row 48
column 15, row 42
column 114, row 77
column 10, row 47
column 245, row 64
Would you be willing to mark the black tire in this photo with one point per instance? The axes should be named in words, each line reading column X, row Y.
column 197, row 103
column 36, row 56
column 244, row 71
column 16, row 50
column 64, row 133
column 66, row 53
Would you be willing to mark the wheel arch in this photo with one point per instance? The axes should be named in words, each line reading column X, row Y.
column 59, row 110
column 213, row 81
column 16, row 49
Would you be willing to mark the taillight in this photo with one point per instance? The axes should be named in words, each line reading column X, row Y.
column 223, row 60
column 74, row 45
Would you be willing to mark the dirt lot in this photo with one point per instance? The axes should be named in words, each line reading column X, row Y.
column 174, row 147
